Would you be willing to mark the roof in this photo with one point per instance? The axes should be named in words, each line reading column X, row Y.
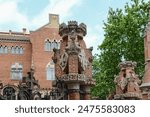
column 14, row 36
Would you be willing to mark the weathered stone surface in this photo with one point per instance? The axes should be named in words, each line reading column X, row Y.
column 74, row 60
column 127, row 82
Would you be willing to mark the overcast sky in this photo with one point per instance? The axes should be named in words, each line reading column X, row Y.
column 31, row 14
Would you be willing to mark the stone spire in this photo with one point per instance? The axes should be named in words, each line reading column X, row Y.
column 145, row 87
column 73, row 60
column 127, row 82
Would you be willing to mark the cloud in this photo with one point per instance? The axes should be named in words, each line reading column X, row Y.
column 94, row 37
column 61, row 7
column 11, row 15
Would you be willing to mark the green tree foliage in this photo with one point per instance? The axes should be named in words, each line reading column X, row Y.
column 123, row 40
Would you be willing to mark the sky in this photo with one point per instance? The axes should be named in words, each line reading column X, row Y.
column 32, row 14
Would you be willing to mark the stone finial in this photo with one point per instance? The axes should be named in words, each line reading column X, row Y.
column 66, row 29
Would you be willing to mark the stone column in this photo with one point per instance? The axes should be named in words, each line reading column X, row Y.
column 145, row 87
column 86, row 90
column 73, row 90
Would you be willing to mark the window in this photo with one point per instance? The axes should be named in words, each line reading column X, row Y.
column 1, row 49
column 50, row 45
column 50, row 71
column 21, row 50
column 5, row 49
column 17, row 50
column 58, row 45
column 47, row 45
column 13, row 50
column 55, row 44
column 16, row 71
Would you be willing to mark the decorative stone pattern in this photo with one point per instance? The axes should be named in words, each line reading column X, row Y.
column 73, row 77
column 73, row 60
column 127, row 82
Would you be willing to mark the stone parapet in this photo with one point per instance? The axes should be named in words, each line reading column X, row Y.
column 65, row 29
column 126, row 64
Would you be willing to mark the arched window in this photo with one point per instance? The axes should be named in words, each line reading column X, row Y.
column 5, row 49
column 47, row 45
column 13, row 50
column 58, row 44
column 50, row 71
column 16, row 71
column 1, row 49
column 55, row 44
column 52, row 46
column 21, row 50
column 17, row 50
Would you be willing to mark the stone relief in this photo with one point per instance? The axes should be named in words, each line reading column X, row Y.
column 63, row 60
column 82, row 59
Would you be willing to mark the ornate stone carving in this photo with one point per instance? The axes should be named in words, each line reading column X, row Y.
column 127, row 82
column 63, row 60
column 29, row 88
column 73, row 77
column 9, row 92
column 74, row 60
column 82, row 58
column 73, row 47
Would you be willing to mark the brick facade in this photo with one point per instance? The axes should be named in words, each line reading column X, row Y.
column 34, row 54
column 53, row 54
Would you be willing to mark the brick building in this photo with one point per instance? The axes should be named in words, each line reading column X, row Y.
column 44, row 63
column 21, row 51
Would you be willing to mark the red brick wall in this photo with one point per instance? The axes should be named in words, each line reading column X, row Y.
column 40, row 57
column 6, row 60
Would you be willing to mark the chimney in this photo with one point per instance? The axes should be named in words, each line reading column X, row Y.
column 10, row 32
column 54, row 19
column 24, row 30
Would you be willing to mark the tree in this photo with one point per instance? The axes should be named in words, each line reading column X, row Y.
column 123, row 40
